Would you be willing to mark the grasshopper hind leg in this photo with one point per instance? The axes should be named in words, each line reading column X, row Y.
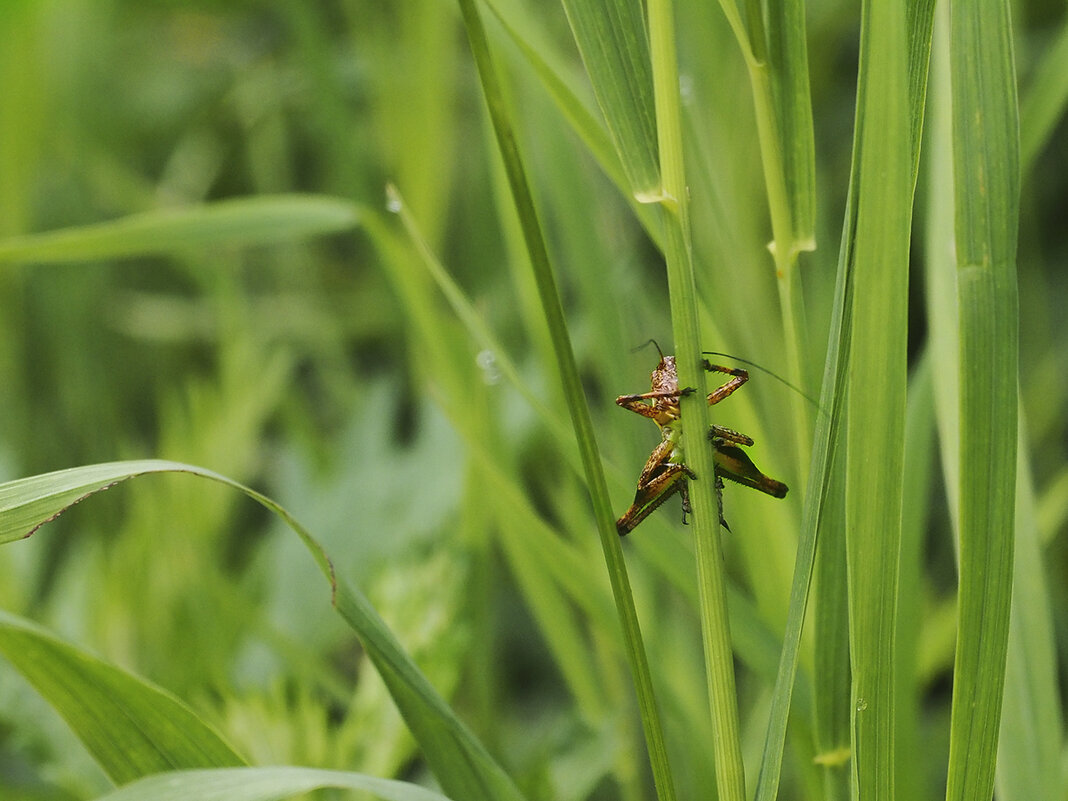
column 734, row 464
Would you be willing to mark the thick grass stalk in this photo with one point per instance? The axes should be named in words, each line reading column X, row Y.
column 715, row 630
column 576, row 400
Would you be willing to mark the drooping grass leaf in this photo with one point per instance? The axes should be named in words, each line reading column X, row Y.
column 460, row 762
column 131, row 727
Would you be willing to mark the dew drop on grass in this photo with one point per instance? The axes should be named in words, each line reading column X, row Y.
column 686, row 89
column 487, row 362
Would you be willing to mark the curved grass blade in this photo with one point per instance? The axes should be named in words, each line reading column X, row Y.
column 132, row 728
column 262, row 784
column 460, row 762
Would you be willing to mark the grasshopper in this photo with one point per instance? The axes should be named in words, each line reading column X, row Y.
column 665, row 473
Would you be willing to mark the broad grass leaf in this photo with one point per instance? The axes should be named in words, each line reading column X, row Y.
column 460, row 762
column 131, row 727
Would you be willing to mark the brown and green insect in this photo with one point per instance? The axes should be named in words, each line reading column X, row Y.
column 665, row 473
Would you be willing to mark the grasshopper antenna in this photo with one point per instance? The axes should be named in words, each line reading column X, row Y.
column 648, row 341
column 763, row 369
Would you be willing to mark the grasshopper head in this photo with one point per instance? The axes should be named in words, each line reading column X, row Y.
column 665, row 378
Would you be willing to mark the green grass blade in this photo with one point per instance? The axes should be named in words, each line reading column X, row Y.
column 263, row 784
column 247, row 221
column 986, row 171
column 470, row 318
column 787, row 65
column 830, row 629
column 460, row 762
column 583, row 120
column 920, row 15
column 876, row 401
column 682, row 290
column 1029, row 747
column 940, row 276
column 778, row 76
column 29, row 503
column 821, row 509
column 132, row 728
column 775, row 55
column 822, row 518
column 1030, row 740
column 575, row 397
column 1043, row 105
column 919, row 470
column 612, row 39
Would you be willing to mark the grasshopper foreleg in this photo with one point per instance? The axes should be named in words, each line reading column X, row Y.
column 637, row 404
column 740, row 377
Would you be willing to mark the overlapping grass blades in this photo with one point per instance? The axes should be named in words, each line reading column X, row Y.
column 572, row 389
column 971, row 215
column 460, row 762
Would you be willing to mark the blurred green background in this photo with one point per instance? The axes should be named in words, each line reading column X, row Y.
column 331, row 374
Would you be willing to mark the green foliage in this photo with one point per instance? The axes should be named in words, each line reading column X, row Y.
column 131, row 728
column 286, row 243
column 263, row 784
